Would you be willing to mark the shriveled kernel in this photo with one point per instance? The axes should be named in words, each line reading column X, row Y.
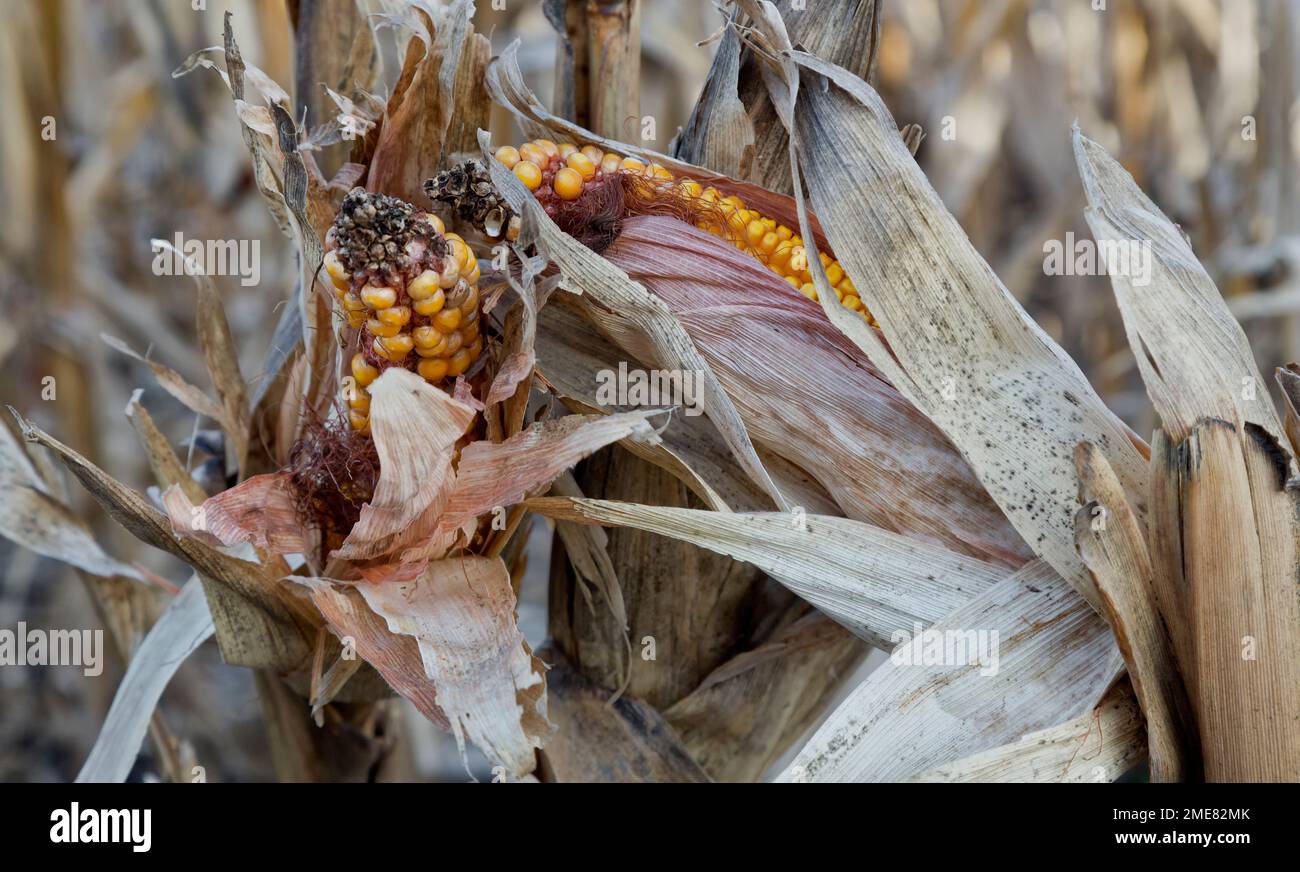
column 353, row 303
column 529, row 173
column 568, row 184
column 359, row 398
column 436, row 222
column 362, row 371
column 358, row 419
column 432, row 370
column 471, row 301
column 476, row 348
column 582, row 164
column 450, row 273
column 378, row 297
column 356, row 320
column 455, row 341
column 508, row 155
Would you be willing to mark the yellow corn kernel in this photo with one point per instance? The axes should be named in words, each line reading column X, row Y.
column 432, row 370
column 508, row 155
column 423, row 286
column 362, row 371
column 394, row 348
column 358, row 419
column 425, row 336
column 568, row 184
column 379, row 328
column 775, row 244
column 459, row 362
column 534, row 155
column 359, row 398
column 336, row 271
column 378, row 297
column 447, row 320
column 529, row 173
column 582, row 164
column 395, row 315
column 430, row 306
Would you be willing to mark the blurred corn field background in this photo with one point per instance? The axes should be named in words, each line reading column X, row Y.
column 102, row 150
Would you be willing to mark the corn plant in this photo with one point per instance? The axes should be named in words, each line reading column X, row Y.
column 848, row 435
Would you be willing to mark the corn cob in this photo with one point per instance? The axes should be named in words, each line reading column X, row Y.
column 562, row 172
column 407, row 287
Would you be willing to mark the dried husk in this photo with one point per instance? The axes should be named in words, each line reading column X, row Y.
column 874, row 582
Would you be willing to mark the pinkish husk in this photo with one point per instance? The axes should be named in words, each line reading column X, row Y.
column 808, row 394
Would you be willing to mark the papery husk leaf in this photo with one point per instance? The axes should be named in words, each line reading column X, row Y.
column 183, row 626
column 1234, row 473
column 32, row 517
column 415, row 427
column 1113, row 547
column 747, row 712
column 172, row 382
column 1056, row 657
column 1193, row 356
column 246, row 634
column 1098, row 746
column 394, row 656
column 807, row 393
column 1288, row 380
column 461, row 612
column 219, row 353
column 845, row 33
column 262, row 510
column 628, row 741
column 571, row 354
column 257, row 583
column 874, row 582
column 961, row 348
column 1240, row 546
column 438, row 85
column 720, row 133
column 499, row 474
